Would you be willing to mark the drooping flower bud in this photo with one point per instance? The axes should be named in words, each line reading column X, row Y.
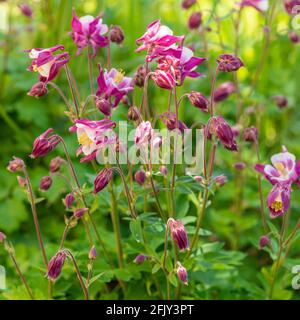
column 15, row 165
column 198, row 100
column 140, row 258
column 69, row 200
column 199, row 179
column 38, row 90
column 195, row 20
column 93, row 253
column 79, row 213
column 55, row 265
column 221, row 180
column 186, row 4
column 104, row 106
column 229, row 62
column 55, row 164
column 133, row 113
column 182, row 273
column 240, row 165
column 26, row 10
column 45, row 183
column 21, row 181
column 102, row 179
column 281, row 101
column 139, row 78
column 44, row 144
column 116, row 34
column 140, row 177
column 224, row 91
column 163, row 170
column 250, row 134
column 163, row 79
column 169, row 119
column 2, row 237
column 263, row 241
column 179, row 234
column 294, row 37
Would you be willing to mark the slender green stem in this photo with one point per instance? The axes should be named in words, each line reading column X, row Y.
column 90, row 65
column 57, row 88
column 72, row 90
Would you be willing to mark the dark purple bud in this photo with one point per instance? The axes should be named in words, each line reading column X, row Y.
column 186, row 4
column 250, row 134
column 125, row 100
column 291, row 6
column 179, row 234
column 93, row 253
column 55, row 265
column 133, row 114
column 163, row 170
column 169, row 119
column 45, row 183
column 140, row 177
column 26, row 10
column 116, row 34
column 44, row 144
column 104, row 106
column 281, row 101
column 38, row 90
column 79, row 213
column 55, row 164
column 69, row 200
column 198, row 100
column 139, row 78
column 240, row 165
column 195, row 20
column 140, row 258
column 15, row 165
column 224, row 91
column 221, row 180
column 229, row 62
column 2, row 237
column 21, row 181
column 263, row 241
column 182, row 273
column 102, row 179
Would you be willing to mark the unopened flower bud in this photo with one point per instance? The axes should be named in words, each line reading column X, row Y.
column 93, row 253
column 125, row 100
column 21, row 181
column 79, row 213
column 182, row 273
column 240, row 165
column 69, row 200
column 45, row 183
column 229, row 62
column 133, row 113
column 38, row 90
column 140, row 258
column 281, row 101
column 250, row 134
column 104, row 106
column 139, row 78
column 26, row 10
column 15, row 165
column 164, row 80
column 221, row 180
column 163, row 170
column 223, row 91
column 44, row 144
column 140, row 177
column 198, row 100
column 199, row 179
column 195, row 20
column 55, row 265
column 263, row 241
column 116, row 35
column 55, row 164
column 179, row 234
column 186, row 4
column 102, row 179
column 294, row 37
column 2, row 237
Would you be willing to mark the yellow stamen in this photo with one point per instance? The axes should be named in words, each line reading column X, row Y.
column 84, row 139
column 35, row 68
column 277, row 205
column 118, row 77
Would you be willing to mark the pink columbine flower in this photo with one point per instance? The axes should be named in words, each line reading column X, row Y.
column 195, row 20
column 278, row 199
column 156, row 39
column 88, row 30
column 143, row 133
column 198, row 100
column 16, row 165
column 93, row 136
column 164, row 80
column 46, row 63
column 55, row 265
column 224, row 91
column 260, row 5
column 284, row 168
column 182, row 273
column 223, row 131
column 102, row 180
column 179, row 234
column 229, row 62
column 290, row 4
column 114, row 84
column 44, row 144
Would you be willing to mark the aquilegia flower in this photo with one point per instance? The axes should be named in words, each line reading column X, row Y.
column 46, row 63
column 143, row 133
column 198, row 100
column 16, row 165
column 284, row 169
column 290, row 4
column 45, row 183
column 182, row 273
column 169, row 120
column 260, row 5
column 102, row 180
column 55, row 265
column 224, row 91
column 279, row 199
column 140, row 258
column 93, row 136
column 44, row 144
column 229, row 62
column 179, row 234
column 113, row 84
column 156, row 39
column 88, row 30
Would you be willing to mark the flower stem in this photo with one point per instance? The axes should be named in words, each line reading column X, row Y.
column 90, row 65
column 57, row 88
column 72, row 90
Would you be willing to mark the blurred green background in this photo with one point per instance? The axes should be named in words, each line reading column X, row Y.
column 22, row 118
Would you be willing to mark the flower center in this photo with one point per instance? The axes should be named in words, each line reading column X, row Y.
column 118, row 77
column 277, row 205
column 84, row 139
column 281, row 168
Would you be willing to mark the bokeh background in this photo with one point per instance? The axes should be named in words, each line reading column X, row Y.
column 240, row 271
